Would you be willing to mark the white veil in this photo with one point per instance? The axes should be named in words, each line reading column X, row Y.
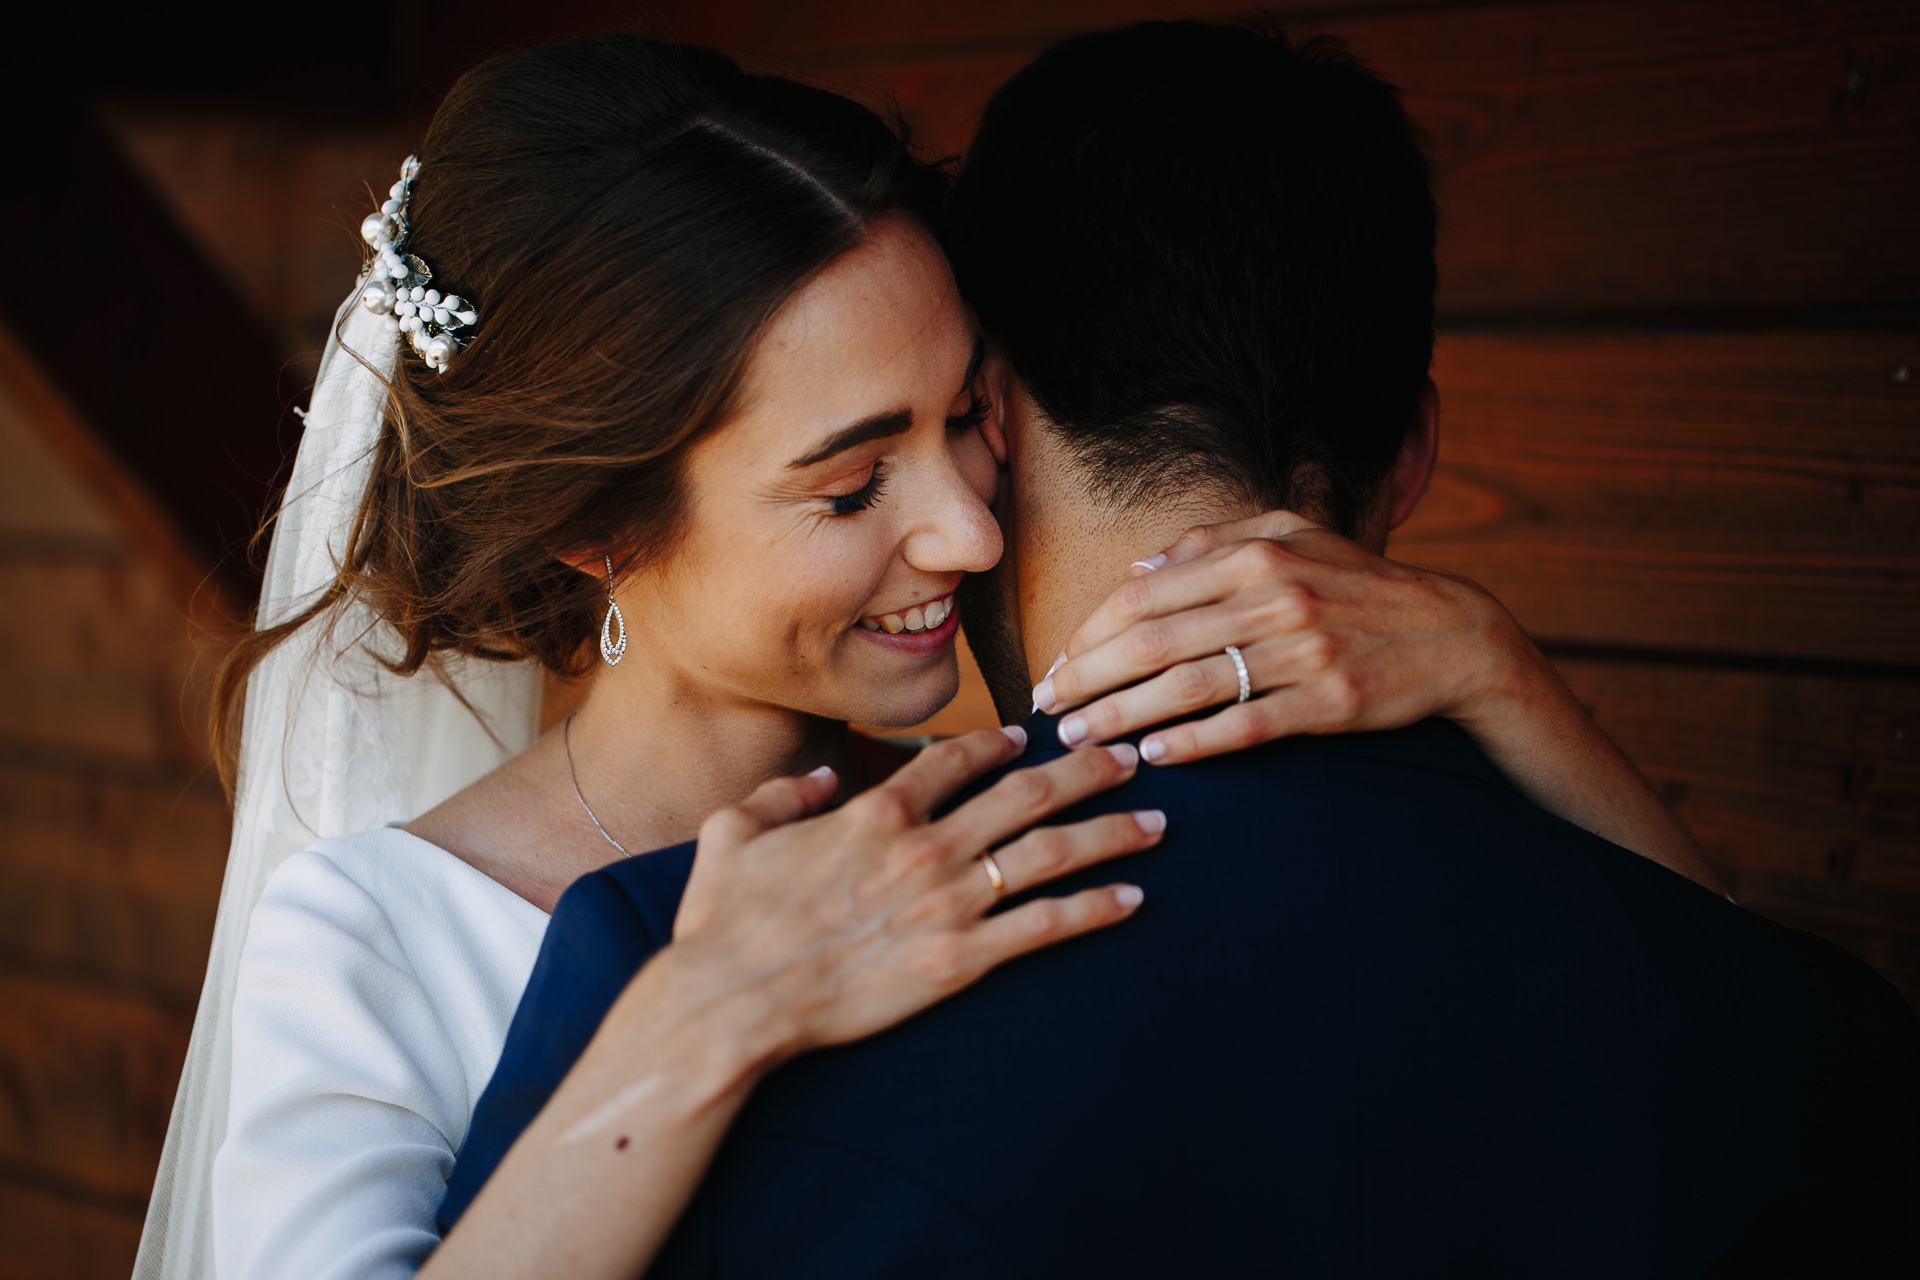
column 332, row 743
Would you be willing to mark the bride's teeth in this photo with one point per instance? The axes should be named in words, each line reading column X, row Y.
column 922, row 617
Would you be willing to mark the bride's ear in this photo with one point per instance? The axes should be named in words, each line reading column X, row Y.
column 591, row 561
column 1413, row 469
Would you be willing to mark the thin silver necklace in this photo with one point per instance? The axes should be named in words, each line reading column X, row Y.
column 567, row 746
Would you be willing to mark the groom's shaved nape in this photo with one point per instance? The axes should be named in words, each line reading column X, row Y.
column 1210, row 256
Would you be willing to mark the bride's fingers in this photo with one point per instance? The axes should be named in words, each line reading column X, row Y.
column 1047, row 853
column 1169, row 591
column 1251, row 589
column 1318, row 706
column 1025, row 796
column 773, row 804
column 1206, row 681
column 1156, row 645
column 1180, row 690
column 939, row 770
column 1033, row 925
column 1201, row 539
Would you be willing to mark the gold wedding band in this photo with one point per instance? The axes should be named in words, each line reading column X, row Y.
column 994, row 878
column 1240, row 669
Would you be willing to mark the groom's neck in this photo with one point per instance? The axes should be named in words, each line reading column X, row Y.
column 1075, row 556
column 1060, row 591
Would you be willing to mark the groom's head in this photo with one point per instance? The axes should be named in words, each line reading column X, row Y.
column 1209, row 258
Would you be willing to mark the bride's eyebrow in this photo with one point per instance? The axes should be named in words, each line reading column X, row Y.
column 874, row 428
column 880, row 425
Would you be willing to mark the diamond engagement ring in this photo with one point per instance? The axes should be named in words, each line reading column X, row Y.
column 1240, row 669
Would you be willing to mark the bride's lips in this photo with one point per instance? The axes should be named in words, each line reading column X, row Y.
column 914, row 629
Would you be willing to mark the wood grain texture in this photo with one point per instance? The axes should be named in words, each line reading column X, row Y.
column 1635, row 154
column 114, row 500
column 49, row 1235
column 98, row 658
column 1615, row 157
column 1805, row 790
column 89, row 1080
column 812, row 35
column 111, row 875
column 1749, row 493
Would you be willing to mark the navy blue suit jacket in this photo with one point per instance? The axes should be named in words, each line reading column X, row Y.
column 1379, row 1017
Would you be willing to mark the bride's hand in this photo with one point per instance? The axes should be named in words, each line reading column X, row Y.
column 847, row 922
column 797, row 929
column 1334, row 639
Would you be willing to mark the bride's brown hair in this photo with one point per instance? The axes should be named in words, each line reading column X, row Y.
column 628, row 214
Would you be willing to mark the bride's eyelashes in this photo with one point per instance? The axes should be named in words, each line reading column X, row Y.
column 978, row 407
column 846, row 504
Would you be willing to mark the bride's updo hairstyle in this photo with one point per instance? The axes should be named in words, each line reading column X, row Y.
column 628, row 215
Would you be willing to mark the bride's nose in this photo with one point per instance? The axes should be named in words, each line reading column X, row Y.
column 952, row 529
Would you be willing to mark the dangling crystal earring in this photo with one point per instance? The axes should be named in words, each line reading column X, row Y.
column 611, row 649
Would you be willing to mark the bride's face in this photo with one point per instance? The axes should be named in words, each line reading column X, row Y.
column 829, row 522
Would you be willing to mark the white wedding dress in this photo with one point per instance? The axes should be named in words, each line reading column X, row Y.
column 379, row 976
column 375, row 981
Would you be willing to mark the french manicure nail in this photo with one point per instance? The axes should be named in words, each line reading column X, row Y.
column 1073, row 731
column 1124, row 753
column 1151, row 562
column 1129, row 895
column 1151, row 749
column 1015, row 733
column 1152, row 821
column 1043, row 699
column 824, row 771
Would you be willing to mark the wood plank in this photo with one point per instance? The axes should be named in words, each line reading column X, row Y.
column 89, row 1080
column 1750, row 493
column 112, row 876
column 275, row 199
column 1621, row 156
column 211, row 375
column 49, row 1235
column 96, row 496
column 1639, row 154
column 811, row 35
column 97, row 656
column 1805, row 790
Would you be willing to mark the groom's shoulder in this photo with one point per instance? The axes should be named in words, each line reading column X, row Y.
column 1433, row 759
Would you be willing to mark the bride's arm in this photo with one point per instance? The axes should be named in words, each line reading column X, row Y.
column 795, row 932
column 1335, row 639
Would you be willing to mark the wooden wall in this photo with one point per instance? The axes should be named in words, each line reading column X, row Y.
column 113, row 835
column 1680, row 365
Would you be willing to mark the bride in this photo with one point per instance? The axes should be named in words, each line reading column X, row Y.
column 660, row 353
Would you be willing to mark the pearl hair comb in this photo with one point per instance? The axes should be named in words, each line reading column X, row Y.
column 397, row 281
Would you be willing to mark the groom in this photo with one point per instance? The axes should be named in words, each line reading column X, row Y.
column 1380, row 1016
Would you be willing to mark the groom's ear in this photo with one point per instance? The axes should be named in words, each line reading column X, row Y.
column 996, row 383
column 1413, row 469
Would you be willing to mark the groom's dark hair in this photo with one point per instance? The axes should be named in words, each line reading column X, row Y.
column 1211, row 258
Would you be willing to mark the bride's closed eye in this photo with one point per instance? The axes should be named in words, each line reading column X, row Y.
column 847, row 504
column 978, row 407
